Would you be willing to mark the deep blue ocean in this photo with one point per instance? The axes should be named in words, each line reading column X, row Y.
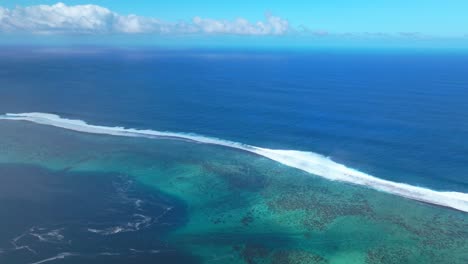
column 394, row 114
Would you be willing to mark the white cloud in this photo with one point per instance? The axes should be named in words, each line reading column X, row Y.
column 93, row 19
column 272, row 26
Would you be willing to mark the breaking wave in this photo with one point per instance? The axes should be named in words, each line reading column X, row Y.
column 306, row 161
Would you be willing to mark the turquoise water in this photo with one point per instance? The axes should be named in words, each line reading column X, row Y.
column 229, row 206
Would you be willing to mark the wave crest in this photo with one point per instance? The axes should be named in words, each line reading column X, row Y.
column 306, row 161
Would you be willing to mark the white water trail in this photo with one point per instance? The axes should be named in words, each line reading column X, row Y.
column 59, row 256
column 306, row 161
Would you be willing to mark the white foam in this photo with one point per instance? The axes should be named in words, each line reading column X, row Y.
column 59, row 256
column 109, row 254
column 307, row 161
column 110, row 231
column 53, row 236
column 141, row 222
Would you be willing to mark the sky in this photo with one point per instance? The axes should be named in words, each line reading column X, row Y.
column 261, row 22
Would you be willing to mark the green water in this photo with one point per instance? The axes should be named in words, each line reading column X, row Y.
column 247, row 209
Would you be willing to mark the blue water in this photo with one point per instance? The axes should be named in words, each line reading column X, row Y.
column 397, row 116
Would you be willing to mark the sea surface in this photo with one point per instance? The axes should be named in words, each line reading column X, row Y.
column 232, row 156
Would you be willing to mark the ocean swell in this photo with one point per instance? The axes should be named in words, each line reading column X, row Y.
column 307, row 161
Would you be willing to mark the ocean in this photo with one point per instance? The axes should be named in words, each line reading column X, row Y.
column 260, row 156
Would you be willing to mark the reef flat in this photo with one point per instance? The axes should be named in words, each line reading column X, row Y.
column 244, row 208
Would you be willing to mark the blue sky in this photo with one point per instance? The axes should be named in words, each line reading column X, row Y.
column 366, row 20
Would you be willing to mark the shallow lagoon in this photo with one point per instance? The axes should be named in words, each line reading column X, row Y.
column 226, row 206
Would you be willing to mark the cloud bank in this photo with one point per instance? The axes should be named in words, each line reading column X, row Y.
column 94, row 19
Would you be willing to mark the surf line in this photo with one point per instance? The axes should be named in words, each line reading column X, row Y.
column 310, row 162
